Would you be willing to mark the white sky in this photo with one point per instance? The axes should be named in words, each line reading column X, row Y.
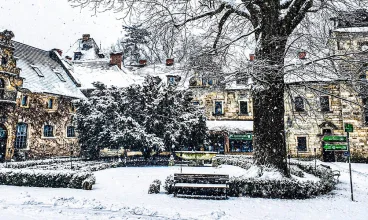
column 48, row 24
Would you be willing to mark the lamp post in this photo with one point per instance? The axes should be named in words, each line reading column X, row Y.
column 289, row 124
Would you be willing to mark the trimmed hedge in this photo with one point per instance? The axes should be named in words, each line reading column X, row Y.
column 285, row 188
column 45, row 178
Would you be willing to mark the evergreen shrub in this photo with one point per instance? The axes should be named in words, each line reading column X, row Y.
column 169, row 184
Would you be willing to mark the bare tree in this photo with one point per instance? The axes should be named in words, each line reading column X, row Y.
column 271, row 29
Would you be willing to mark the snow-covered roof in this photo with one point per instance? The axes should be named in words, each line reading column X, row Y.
column 352, row 30
column 86, row 74
column 230, row 126
column 42, row 74
column 88, row 48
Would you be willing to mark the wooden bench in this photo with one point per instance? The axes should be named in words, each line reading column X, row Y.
column 201, row 185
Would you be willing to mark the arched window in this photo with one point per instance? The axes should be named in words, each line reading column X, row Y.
column 21, row 136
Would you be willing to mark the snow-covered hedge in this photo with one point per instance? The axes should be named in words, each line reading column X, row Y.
column 45, row 178
column 25, row 164
column 296, row 187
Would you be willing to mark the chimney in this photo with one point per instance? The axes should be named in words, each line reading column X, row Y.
column 86, row 37
column 60, row 52
column 302, row 55
column 169, row 62
column 251, row 57
column 115, row 59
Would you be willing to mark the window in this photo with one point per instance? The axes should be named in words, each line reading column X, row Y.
column 204, row 82
column 58, row 74
column 243, row 107
column 77, row 55
column 363, row 76
column 50, row 104
column 211, row 82
column 21, row 136
column 72, row 107
column 48, row 131
column 70, row 131
column 24, row 101
column 38, row 71
column 2, row 88
column 4, row 60
column 171, row 80
column 302, row 143
column 299, row 104
column 325, row 103
column 218, row 108
column 365, row 111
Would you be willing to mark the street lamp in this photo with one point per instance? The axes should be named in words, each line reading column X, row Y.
column 289, row 124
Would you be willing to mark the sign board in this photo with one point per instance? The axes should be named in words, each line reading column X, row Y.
column 245, row 137
column 334, row 138
column 335, row 147
column 346, row 154
column 349, row 128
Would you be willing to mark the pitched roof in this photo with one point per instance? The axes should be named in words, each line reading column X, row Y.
column 43, row 74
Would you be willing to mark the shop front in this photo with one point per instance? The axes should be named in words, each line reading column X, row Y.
column 241, row 143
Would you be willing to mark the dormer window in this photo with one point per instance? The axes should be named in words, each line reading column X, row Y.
column 171, row 80
column 77, row 55
column 58, row 74
column 38, row 71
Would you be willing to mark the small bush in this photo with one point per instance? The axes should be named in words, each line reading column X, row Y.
column 45, row 178
column 169, row 184
column 154, row 187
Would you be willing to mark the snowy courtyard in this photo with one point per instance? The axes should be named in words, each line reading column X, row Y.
column 121, row 193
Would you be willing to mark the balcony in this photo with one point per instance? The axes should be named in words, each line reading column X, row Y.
column 7, row 96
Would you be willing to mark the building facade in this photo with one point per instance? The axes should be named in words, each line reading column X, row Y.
column 36, row 103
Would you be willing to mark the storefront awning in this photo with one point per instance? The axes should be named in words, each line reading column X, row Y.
column 230, row 126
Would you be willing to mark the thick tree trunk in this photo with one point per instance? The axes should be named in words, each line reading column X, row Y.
column 269, row 131
column 269, row 134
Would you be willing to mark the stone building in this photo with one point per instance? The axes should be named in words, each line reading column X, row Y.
column 10, row 82
column 323, row 106
column 40, row 122
column 229, row 113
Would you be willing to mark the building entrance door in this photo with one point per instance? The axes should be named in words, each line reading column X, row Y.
column 328, row 156
column 3, row 139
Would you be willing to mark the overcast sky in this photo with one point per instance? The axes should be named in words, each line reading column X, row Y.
column 48, row 24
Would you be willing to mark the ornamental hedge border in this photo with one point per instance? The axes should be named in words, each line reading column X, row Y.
column 45, row 178
column 286, row 188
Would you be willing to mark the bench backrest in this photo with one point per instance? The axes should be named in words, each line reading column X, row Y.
column 201, row 178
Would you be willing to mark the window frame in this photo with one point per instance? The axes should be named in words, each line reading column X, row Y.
column 73, row 131
column 329, row 103
column 222, row 107
column 23, row 141
column 306, row 143
column 48, row 135
column 52, row 101
column 37, row 70
column 296, row 108
column 247, row 102
column 58, row 74
column 26, row 104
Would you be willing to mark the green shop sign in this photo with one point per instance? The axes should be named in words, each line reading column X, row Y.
column 244, row 137
column 334, row 138
column 349, row 128
column 335, row 147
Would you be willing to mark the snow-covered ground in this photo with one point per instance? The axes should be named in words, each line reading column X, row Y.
column 121, row 193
